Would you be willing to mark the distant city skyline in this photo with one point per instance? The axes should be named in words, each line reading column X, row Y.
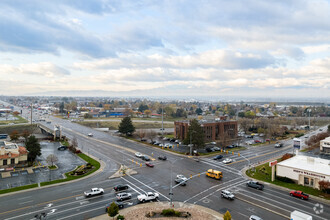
column 226, row 49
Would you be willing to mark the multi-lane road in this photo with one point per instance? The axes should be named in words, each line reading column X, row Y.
column 67, row 201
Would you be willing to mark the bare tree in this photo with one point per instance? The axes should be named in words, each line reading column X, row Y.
column 151, row 134
column 141, row 133
column 51, row 159
column 74, row 145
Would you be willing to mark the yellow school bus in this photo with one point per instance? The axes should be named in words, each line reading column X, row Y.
column 214, row 174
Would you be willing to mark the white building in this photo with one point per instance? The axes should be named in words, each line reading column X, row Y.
column 307, row 171
column 325, row 145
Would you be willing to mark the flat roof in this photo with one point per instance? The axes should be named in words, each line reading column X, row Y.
column 312, row 164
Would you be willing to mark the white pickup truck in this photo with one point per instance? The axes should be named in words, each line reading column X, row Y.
column 94, row 192
column 149, row 196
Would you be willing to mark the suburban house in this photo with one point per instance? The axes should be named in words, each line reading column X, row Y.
column 11, row 154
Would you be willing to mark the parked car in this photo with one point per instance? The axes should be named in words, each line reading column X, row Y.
column 230, row 146
column 254, row 217
column 90, row 135
column 267, row 140
column 145, row 157
column 218, row 157
column 138, row 154
column 209, row 149
column 94, row 192
column 148, row 164
column 119, row 204
column 299, row 194
column 62, row 147
column 226, row 194
column 152, row 142
column 216, row 148
column 162, row 157
column 123, row 196
column 257, row 141
column 177, row 141
column 226, row 161
column 255, row 184
column 120, row 187
column 172, row 139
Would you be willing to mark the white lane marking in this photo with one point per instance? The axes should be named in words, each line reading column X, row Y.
column 149, row 187
column 134, row 185
column 237, row 172
column 211, row 188
column 84, row 202
column 222, row 165
column 21, row 203
column 24, row 198
column 231, row 186
column 80, row 197
column 266, row 198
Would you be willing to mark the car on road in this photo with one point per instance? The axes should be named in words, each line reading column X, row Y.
column 123, row 196
column 90, row 135
column 218, row 157
column 94, row 192
column 148, row 164
column 254, row 217
column 227, row 194
column 299, row 194
column 149, row 196
column 226, row 161
column 120, row 187
column 255, row 184
column 119, row 204
column 138, row 154
column 162, row 157
column 145, row 157
column 181, row 179
column 216, row 148
column 278, row 145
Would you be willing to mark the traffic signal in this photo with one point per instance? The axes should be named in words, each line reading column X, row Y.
column 233, row 152
column 239, row 154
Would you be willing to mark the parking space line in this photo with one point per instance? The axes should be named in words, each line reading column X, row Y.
column 134, row 185
column 150, row 187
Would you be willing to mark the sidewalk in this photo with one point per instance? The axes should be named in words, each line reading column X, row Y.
column 139, row 211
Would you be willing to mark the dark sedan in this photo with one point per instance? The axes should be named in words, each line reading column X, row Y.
column 218, row 157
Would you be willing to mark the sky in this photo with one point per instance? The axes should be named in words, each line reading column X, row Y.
column 241, row 48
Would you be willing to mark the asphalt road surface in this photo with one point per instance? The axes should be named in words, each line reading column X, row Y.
column 67, row 201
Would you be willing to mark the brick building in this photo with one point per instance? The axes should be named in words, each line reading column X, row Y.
column 214, row 130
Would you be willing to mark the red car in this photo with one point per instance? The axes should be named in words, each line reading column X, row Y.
column 299, row 194
column 257, row 141
column 148, row 164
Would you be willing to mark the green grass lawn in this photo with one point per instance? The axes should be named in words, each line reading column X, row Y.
column 263, row 173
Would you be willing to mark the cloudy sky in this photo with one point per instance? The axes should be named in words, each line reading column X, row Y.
column 246, row 48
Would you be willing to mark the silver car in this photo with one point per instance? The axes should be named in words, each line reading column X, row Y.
column 123, row 196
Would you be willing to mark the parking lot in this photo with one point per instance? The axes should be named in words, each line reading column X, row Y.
column 66, row 162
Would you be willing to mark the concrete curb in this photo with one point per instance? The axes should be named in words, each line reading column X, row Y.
column 163, row 205
column 58, row 184
column 119, row 174
column 243, row 171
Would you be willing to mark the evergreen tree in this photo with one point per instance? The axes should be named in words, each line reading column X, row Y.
column 126, row 126
column 33, row 146
column 195, row 135
column 227, row 216
column 113, row 210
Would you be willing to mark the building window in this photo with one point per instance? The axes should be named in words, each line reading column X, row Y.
column 306, row 181
column 5, row 162
column 12, row 161
column 312, row 182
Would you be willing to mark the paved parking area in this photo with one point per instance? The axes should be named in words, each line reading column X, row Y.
column 66, row 162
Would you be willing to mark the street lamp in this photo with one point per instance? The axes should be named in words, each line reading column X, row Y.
column 309, row 118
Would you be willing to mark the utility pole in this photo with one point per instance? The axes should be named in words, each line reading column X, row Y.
column 163, row 124
column 31, row 112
